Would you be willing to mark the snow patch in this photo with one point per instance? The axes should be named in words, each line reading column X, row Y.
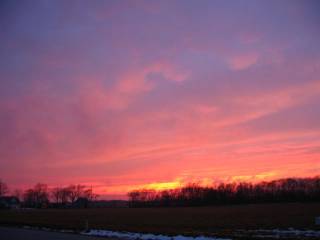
column 291, row 232
column 142, row 236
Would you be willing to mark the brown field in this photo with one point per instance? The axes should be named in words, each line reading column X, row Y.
column 219, row 220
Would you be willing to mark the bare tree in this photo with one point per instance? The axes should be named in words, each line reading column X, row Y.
column 56, row 194
column 76, row 191
column 37, row 197
column 18, row 193
column 88, row 194
column 65, row 195
column 3, row 188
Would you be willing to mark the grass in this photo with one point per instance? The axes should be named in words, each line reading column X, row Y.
column 220, row 220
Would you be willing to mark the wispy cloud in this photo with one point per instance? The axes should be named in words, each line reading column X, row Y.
column 128, row 94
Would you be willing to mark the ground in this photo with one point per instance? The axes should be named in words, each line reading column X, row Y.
column 216, row 220
column 7, row 233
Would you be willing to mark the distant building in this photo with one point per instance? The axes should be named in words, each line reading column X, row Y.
column 9, row 202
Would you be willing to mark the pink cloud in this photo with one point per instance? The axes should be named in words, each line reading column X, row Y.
column 242, row 61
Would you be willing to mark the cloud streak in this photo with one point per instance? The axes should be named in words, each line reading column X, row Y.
column 133, row 94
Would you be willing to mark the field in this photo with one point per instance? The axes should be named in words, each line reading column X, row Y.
column 217, row 220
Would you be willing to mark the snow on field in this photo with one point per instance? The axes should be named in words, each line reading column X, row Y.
column 257, row 233
column 142, row 236
column 291, row 232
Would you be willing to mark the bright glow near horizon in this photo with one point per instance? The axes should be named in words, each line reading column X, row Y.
column 129, row 94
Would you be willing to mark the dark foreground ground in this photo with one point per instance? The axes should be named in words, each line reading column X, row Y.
column 217, row 220
column 27, row 234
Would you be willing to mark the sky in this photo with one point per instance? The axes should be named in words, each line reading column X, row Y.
column 155, row 94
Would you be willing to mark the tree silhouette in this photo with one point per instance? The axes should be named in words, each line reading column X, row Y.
column 3, row 188
column 282, row 190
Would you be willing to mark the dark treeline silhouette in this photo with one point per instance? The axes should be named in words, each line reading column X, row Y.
column 3, row 188
column 72, row 196
column 40, row 196
column 283, row 190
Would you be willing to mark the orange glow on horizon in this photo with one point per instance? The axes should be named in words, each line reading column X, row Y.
column 179, row 183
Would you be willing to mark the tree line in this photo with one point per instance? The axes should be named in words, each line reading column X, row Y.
column 42, row 196
column 282, row 190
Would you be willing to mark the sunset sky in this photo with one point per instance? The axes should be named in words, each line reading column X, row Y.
column 130, row 94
